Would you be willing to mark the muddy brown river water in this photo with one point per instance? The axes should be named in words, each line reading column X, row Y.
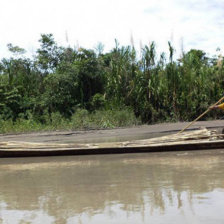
column 174, row 187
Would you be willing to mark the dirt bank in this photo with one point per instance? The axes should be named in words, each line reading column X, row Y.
column 118, row 134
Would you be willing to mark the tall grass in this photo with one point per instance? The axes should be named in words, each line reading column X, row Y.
column 81, row 120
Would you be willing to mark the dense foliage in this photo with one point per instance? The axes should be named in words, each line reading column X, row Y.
column 61, row 81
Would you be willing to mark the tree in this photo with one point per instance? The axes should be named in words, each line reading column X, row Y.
column 16, row 50
column 48, row 55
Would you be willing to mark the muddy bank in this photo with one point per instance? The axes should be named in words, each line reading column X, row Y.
column 109, row 135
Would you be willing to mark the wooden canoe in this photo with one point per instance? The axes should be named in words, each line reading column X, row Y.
column 191, row 140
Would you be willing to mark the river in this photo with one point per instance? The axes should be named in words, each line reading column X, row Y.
column 169, row 187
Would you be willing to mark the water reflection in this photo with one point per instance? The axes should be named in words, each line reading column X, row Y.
column 134, row 188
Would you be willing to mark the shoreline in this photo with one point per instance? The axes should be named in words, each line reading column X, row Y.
column 109, row 135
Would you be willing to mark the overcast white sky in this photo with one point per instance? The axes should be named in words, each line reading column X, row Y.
column 199, row 23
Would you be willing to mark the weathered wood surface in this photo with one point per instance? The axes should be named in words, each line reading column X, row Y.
column 193, row 140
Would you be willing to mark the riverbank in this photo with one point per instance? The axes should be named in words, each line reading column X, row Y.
column 109, row 135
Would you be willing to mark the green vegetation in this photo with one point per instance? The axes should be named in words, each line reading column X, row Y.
column 81, row 119
column 69, row 88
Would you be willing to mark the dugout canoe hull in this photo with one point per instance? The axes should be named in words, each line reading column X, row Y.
column 186, row 146
column 194, row 140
